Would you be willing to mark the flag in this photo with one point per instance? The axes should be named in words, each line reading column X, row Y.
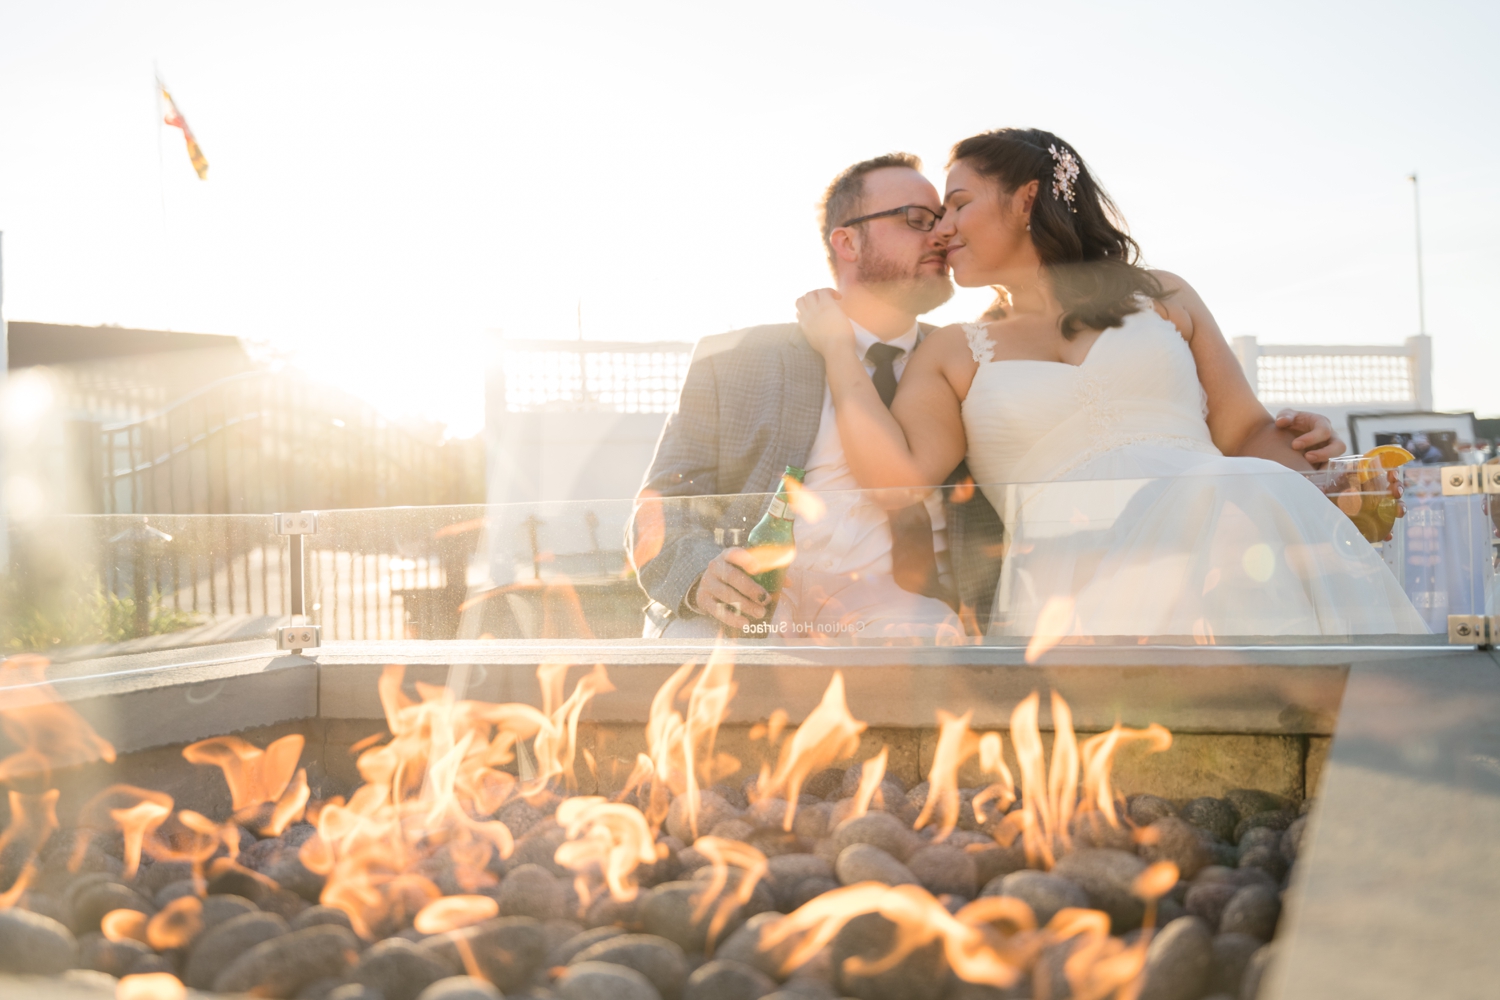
column 174, row 118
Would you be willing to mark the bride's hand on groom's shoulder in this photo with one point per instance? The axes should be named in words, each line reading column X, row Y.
column 823, row 322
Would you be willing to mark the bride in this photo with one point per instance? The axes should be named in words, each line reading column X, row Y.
column 1101, row 370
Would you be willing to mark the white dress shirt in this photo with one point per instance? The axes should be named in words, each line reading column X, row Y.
column 854, row 536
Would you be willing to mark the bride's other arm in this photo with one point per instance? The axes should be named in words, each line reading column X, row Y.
column 1237, row 421
column 920, row 440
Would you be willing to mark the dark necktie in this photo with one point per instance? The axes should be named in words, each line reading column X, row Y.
column 913, row 561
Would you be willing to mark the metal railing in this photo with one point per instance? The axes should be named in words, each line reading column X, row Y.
column 263, row 441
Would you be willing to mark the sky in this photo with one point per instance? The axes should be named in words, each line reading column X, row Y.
column 393, row 187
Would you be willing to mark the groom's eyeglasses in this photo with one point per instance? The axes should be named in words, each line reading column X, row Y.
column 919, row 217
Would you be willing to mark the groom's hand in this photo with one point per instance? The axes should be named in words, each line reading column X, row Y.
column 728, row 593
column 1315, row 437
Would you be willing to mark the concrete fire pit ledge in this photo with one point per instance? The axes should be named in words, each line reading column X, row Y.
column 1397, row 893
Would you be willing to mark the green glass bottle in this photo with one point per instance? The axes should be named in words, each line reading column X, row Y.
column 774, row 532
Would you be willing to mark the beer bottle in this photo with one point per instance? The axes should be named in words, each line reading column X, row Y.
column 773, row 535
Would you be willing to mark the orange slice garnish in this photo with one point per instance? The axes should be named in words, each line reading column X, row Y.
column 1390, row 456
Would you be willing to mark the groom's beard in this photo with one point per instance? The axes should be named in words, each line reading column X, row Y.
column 906, row 287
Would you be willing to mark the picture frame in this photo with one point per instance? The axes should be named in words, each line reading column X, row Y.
column 1434, row 438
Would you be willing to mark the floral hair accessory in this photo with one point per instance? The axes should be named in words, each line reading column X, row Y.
column 1064, row 173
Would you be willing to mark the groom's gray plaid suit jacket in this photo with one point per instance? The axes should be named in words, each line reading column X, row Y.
column 750, row 406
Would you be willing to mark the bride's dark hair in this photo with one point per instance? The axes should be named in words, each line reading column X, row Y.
column 1093, row 262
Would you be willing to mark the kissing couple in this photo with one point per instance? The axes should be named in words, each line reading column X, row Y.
column 1129, row 483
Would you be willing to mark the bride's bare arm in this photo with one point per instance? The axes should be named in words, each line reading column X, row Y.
column 916, row 443
column 1237, row 421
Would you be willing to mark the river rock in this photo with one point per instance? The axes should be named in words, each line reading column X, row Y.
column 878, row 829
column 1275, row 820
column 996, row 862
column 1044, row 892
column 115, row 958
column 1249, row 801
column 812, row 822
column 944, row 868
column 747, row 947
column 562, row 954
column 865, row 863
column 603, row 981
column 1255, row 971
column 282, row 965
column 809, row 889
column 661, row 961
column 31, row 944
column 712, row 810
column 508, row 950
column 1178, row 841
column 1260, row 836
column 723, row 979
column 1107, row 876
column 461, row 988
column 399, row 969
column 1179, row 961
column 220, row 909
column 216, row 947
column 785, row 871
column 920, row 975
column 1253, row 910
column 1208, row 900
column 531, row 891
column 669, row 912
column 1231, row 955
column 315, row 916
column 91, row 904
column 1267, row 859
column 1214, row 815
column 1144, row 810
column 539, row 847
column 1291, row 839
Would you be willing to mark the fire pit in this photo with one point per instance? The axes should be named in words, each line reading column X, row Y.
column 794, row 823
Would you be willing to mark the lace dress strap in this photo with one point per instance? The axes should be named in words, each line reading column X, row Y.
column 980, row 344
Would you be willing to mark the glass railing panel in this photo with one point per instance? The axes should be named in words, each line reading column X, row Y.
column 88, row 586
column 1197, row 560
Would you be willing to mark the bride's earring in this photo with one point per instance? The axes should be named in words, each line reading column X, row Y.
column 1028, row 227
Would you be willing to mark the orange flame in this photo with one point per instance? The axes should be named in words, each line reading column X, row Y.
column 177, row 923
column 124, row 925
column 33, row 818
column 255, row 776
column 974, row 948
column 805, row 503
column 871, row 774
column 150, row 986
column 828, row 734
column 955, row 745
column 681, row 747
column 722, row 854
column 605, row 839
column 1099, row 758
column 992, row 761
column 452, row 912
column 1053, row 624
column 50, row 733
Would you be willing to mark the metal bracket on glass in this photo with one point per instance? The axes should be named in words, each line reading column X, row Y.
column 1460, row 480
column 1471, row 630
column 296, row 638
column 1488, row 477
column 294, row 526
column 301, row 523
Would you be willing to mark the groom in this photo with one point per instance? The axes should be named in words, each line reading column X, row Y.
column 756, row 400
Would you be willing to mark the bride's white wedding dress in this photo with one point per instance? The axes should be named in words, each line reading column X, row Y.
column 1123, row 519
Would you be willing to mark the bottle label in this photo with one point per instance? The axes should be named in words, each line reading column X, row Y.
column 778, row 508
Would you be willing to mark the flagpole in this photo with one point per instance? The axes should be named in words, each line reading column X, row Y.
column 1416, row 206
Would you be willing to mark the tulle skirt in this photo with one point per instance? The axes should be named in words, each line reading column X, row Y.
column 1148, row 540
